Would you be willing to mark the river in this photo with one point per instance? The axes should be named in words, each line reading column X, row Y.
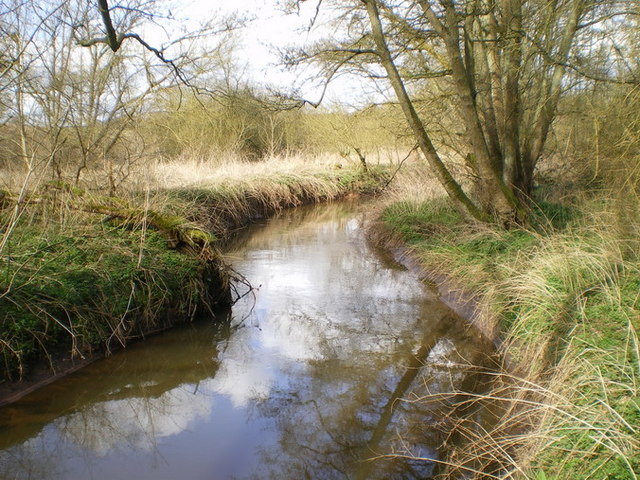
column 330, row 368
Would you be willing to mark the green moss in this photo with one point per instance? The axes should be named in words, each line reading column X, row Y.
column 66, row 187
column 199, row 236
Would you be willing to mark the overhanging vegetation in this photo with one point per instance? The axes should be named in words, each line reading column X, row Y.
column 83, row 273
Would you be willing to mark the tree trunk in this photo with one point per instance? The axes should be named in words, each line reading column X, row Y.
column 512, row 17
column 545, row 113
column 497, row 199
column 451, row 186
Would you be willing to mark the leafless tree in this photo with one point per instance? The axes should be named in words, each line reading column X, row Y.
column 70, row 97
column 505, row 64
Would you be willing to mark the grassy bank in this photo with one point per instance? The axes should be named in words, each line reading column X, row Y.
column 82, row 273
column 227, row 198
column 563, row 295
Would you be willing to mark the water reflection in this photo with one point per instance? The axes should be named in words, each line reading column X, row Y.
column 313, row 379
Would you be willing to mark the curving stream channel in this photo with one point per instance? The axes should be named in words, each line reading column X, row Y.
column 316, row 376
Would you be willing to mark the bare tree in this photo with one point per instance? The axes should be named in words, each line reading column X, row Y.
column 505, row 63
column 68, row 101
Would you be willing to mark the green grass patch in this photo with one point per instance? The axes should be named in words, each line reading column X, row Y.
column 600, row 412
column 559, row 216
column 76, row 291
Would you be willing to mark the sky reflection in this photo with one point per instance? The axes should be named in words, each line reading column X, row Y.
column 306, row 380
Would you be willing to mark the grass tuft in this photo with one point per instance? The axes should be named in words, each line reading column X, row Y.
column 564, row 298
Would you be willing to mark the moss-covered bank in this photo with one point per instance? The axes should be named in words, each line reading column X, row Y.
column 82, row 274
column 563, row 296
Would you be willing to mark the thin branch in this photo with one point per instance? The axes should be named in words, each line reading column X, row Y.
column 115, row 41
column 608, row 17
column 332, row 75
column 554, row 61
column 413, row 149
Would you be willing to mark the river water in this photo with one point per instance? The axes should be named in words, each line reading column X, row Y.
column 329, row 369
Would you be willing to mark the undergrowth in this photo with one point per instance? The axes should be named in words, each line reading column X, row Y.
column 564, row 296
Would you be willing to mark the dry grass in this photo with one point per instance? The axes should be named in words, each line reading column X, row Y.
column 572, row 374
column 227, row 195
column 188, row 172
column 566, row 301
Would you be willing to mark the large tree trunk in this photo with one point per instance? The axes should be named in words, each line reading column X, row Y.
column 451, row 186
column 507, row 73
column 497, row 198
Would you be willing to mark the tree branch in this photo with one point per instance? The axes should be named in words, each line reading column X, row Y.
column 115, row 41
column 111, row 39
column 565, row 64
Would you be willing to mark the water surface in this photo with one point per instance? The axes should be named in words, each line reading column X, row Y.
column 315, row 374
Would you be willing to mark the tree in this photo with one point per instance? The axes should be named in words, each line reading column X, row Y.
column 69, row 105
column 505, row 63
column 71, row 100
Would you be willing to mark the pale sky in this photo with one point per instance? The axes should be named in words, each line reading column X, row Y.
column 271, row 27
